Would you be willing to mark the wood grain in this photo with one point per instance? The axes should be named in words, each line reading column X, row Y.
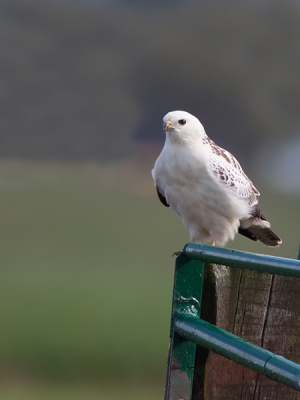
column 261, row 308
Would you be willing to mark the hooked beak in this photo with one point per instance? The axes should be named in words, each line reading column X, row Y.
column 168, row 126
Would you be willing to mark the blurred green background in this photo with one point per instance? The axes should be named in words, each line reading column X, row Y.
column 86, row 266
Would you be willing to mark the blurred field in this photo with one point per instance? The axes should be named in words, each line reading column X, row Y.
column 86, row 277
column 75, row 391
column 86, row 280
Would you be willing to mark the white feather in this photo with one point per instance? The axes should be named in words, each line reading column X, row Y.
column 203, row 184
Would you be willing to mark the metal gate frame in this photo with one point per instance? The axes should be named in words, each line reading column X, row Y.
column 188, row 329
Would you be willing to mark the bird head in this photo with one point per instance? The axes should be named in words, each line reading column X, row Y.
column 182, row 126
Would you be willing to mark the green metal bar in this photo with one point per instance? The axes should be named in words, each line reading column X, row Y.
column 187, row 294
column 237, row 349
column 242, row 259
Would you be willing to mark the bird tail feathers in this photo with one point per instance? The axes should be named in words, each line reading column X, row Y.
column 259, row 230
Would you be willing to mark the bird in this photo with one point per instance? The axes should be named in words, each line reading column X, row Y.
column 206, row 186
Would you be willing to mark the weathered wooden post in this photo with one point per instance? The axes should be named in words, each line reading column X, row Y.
column 247, row 315
column 259, row 307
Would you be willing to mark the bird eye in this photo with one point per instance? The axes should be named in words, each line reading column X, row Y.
column 182, row 122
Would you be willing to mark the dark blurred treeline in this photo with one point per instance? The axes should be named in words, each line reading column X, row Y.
column 82, row 81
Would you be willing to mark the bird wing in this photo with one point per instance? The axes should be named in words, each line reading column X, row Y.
column 229, row 173
column 162, row 198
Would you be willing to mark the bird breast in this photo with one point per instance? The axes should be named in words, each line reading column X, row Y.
column 184, row 178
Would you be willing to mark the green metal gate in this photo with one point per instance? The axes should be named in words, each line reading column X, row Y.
column 189, row 330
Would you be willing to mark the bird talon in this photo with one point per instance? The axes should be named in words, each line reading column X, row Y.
column 176, row 253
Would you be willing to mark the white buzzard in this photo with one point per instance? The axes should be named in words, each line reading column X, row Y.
column 206, row 187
